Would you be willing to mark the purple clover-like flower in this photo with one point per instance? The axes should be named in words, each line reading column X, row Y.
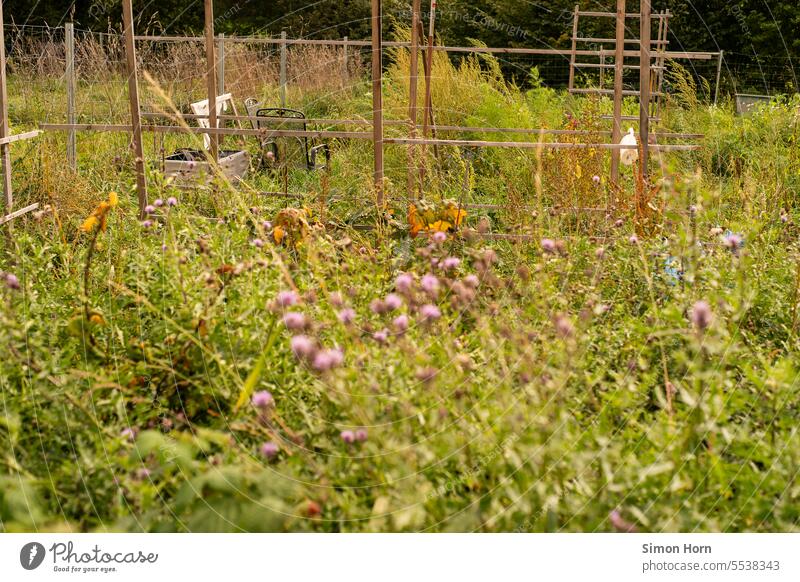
column 439, row 237
column 302, row 346
column 172, row 201
column 381, row 336
column 451, row 263
column 12, row 282
column 158, row 203
column 348, row 436
column 430, row 284
column 269, row 449
column 361, row 435
column 393, row 301
column 262, row 399
column 472, row 281
column 149, row 209
column 404, row 282
column 701, row 315
column 347, row 316
column 430, row 312
column 258, row 243
column 294, row 321
column 400, row 323
column 287, row 298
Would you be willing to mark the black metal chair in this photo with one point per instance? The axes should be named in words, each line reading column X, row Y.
column 262, row 118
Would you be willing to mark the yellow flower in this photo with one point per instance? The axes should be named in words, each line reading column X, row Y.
column 441, row 226
column 89, row 224
column 113, row 199
column 96, row 318
column 278, row 234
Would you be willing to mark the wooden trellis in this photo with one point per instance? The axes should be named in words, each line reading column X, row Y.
column 7, row 138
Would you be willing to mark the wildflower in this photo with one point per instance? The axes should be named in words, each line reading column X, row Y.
column 258, row 243
column 563, row 325
column 634, row 240
column 784, row 218
column 327, row 360
column 439, row 237
column 336, row 299
column 600, row 252
column 149, row 209
column 619, row 523
column 128, row 433
column 172, row 201
column 287, row 298
column 266, row 225
column 548, row 245
column 147, row 223
column 142, row 473
column 269, row 449
column 377, row 306
column 347, row 316
column 596, row 179
column 403, row 282
column 158, row 203
column 472, row 281
column 361, row 435
column 427, row 374
column 400, row 323
column 701, row 315
column 430, row 312
column 302, row 346
column 381, row 336
column 11, row 281
column 262, row 399
column 99, row 215
column 451, row 263
column 294, row 320
column 619, row 222
column 430, row 284
column 716, row 231
column 347, row 436
column 393, row 302
column 733, row 242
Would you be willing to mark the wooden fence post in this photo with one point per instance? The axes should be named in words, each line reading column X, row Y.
column 69, row 33
column 345, row 64
column 572, row 50
column 619, row 61
column 284, row 58
column 5, row 131
column 644, row 83
column 377, row 99
column 133, row 98
column 211, row 80
column 719, row 75
column 221, row 64
column 413, row 78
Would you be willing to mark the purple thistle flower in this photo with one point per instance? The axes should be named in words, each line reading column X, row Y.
column 128, row 433
column 377, row 306
column 287, row 299
column 732, row 241
column 430, row 312
column 620, row 523
column 147, row 223
column 439, row 237
column 11, row 281
column 327, row 359
column 149, row 209
column 269, row 449
column 266, row 225
column 302, row 346
column 347, row 316
column 258, row 243
column 596, row 179
column 634, row 240
column 451, row 263
column 347, row 436
column 563, row 325
column 262, row 399
column 361, row 435
column 404, row 282
column 158, row 203
column 336, row 299
column 393, row 301
column 172, row 201
column 400, row 323
column 381, row 336
column 600, row 252
column 430, row 284
column 472, row 281
column 548, row 245
column 701, row 315
column 294, row 321
column 619, row 222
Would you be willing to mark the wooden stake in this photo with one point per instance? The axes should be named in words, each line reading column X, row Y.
column 284, row 58
column 221, row 64
column 211, row 78
column 644, row 84
column 5, row 131
column 69, row 32
column 619, row 60
column 133, row 97
column 429, row 70
column 377, row 98
column 412, row 95
column 574, row 47
column 719, row 74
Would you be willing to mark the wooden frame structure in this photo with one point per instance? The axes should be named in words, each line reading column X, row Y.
column 7, row 138
column 415, row 144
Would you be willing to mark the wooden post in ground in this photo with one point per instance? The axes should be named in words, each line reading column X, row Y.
column 619, row 60
column 429, row 61
column 5, row 131
column 377, row 99
column 221, row 64
column 574, row 47
column 133, row 98
column 345, row 64
column 284, row 58
column 211, row 80
column 69, row 40
column 644, row 83
column 719, row 75
column 412, row 95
